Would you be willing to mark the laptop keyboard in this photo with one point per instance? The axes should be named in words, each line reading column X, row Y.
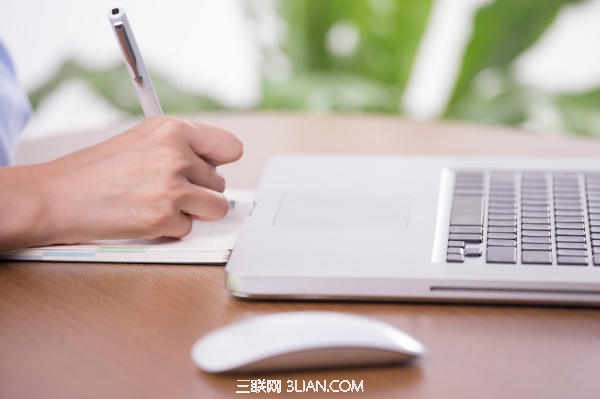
column 531, row 218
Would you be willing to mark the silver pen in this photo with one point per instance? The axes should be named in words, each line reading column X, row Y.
column 134, row 62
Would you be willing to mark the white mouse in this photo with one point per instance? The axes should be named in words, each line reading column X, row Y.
column 303, row 340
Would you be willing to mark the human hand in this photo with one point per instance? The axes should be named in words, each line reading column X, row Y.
column 150, row 181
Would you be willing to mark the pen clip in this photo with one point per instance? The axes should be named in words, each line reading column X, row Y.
column 127, row 51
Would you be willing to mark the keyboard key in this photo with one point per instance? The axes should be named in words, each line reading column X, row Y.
column 571, row 245
column 566, row 190
column 569, row 232
column 570, row 238
column 495, row 242
column 569, row 219
column 466, row 237
column 535, row 233
column 567, row 193
column 473, row 252
column 529, row 214
column 534, row 196
column 458, row 244
column 502, row 229
column 501, row 255
column 528, row 190
column 529, row 226
column 536, row 220
column 597, row 260
column 571, row 252
column 568, row 201
column 507, row 211
column 572, row 260
column 568, row 207
column 503, row 205
column 502, row 223
column 467, row 211
column 529, row 202
column 500, row 216
column 533, row 208
column 536, row 240
column 536, row 247
column 508, row 194
column 455, row 258
column 455, row 250
column 466, row 229
column 594, row 223
column 504, row 199
column 578, row 226
column 503, row 236
column 568, row 213
column 595, row 229
column 536, row 257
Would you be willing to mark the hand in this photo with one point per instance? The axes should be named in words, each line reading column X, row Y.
column 150, row 181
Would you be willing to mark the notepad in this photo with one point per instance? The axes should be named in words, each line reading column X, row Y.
column 208, row 243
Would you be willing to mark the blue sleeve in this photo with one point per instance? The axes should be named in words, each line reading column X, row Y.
column 14, row 108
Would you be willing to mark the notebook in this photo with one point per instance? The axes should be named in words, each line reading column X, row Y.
column 208, row 243
column 422, row 229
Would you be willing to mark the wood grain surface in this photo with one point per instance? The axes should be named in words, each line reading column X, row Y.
column 72, row 330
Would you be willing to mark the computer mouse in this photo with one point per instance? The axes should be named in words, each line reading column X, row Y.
column 303, row 340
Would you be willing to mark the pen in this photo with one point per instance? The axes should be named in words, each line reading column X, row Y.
column 134, row 62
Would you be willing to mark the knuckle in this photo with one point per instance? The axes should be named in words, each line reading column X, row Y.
column 170, row 192
column 175, row 124
column 157, row 221
column 165, row 205
column 176, row 159
column 170, row 159
column 172, row 128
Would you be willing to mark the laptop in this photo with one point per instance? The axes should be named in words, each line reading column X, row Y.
column 334, row 227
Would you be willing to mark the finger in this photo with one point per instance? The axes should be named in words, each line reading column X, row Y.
column 217, row 146
column 201, row 173
column 180, row 226
column 204, row 204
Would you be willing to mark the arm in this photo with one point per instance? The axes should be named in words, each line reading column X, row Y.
column 150, row 181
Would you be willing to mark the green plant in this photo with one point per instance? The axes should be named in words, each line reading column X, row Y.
column 357, row 55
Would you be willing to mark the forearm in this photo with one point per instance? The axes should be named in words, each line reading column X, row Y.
column 150, row 181
column 25, row 207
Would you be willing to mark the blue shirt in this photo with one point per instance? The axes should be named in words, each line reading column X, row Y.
column 14, row 108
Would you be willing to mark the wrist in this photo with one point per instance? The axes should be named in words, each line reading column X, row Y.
column 24, row 207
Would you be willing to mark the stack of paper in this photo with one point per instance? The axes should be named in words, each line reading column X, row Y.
column 208, row 243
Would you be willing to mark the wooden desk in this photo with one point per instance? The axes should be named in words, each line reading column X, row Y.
column 109, row 330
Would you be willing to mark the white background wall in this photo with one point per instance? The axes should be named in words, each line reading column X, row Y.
column 210, row 46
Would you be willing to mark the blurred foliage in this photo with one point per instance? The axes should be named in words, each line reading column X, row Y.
column 339, row 49
column 358, row 55
column 485, row 89
column 502, row 30
column 114, row 84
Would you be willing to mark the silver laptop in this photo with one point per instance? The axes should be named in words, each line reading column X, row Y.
column 422, row 229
